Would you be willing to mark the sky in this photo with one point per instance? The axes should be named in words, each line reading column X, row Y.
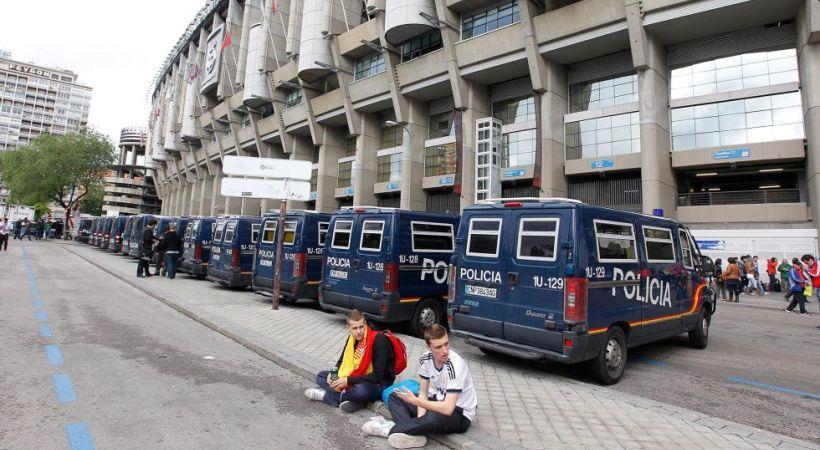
column 114, row 46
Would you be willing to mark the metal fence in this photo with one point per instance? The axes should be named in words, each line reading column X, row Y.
column 740, row 197
column 615, row 191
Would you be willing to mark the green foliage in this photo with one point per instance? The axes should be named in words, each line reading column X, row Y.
column 57, row 169
column 40, row 210
column 92, row 203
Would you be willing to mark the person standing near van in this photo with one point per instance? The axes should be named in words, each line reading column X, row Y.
column 171, row 246
column 146, row 250
column 364, row 369
column 784, row 268
column 720, row 285
column 797, row 282
column 771, row 270
column 749, row 268
column 812, row 269
column 5, row 230
column 446, row 402
column 731, row 276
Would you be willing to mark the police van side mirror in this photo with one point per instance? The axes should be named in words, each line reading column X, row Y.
column 708, row 266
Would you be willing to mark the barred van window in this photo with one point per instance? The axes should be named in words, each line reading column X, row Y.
column 269, row 233
column 341, row 234
column 323, row 227
column 537, row 239
column 659, row 245
column 483, row 237
column 290, row 233
column 372, row 235
column 429, row 237
column 255, row 232
column 616, row 242
column 217, row 236
column 229, row 232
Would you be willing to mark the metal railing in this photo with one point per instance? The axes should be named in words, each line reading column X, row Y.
column 740, row 197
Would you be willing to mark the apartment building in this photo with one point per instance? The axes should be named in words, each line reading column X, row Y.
column 35, row 100
column 129, row 187
column 702, row 110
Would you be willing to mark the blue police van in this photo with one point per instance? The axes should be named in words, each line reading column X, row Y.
column 126, row 234
column 135, row 244
column 115, row 234
column 233, row 248
column 196, row 251
column 105, row 231
column 560, row 280
column 303, row 245
column 84, row 230
column 389, row 263
column 95, row 230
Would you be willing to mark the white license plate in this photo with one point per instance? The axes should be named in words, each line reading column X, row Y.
column 338, row 274
column 480, row 291
column 215, row 257
column 266, row 262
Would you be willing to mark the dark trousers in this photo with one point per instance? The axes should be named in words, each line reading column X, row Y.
column 171, row 264
column 4, row 242
column 159, row 261
column 143, row 266
column 362, row 393
column 798, row 299
column 404, row 414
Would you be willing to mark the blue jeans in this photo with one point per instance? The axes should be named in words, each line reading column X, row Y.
column 362, row 393
column 171, row 264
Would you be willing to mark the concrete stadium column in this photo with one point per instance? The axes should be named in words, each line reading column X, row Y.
column 366, row 166
column 196, row 198
column 478, row 106
column 412, row 165
column 553, row 107
column 302, row 149
column 658, row 186
column 808, row 59
column 190, row 189
column 217, row 200
column 206, row 196
column 330, row 151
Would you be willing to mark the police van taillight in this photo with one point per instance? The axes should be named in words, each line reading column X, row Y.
column 235, row 258
column 451, row 284
column 198, row 251
column 299, row 264
column 391, row 277
column 575, row 300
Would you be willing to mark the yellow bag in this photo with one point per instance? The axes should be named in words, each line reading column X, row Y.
column 807, row 291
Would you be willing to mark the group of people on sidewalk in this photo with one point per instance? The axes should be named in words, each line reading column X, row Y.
column 168, row 247
column 24, row 228
column 446, row 400
column 800, row 279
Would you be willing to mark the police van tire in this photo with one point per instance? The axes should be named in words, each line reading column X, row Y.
column 609, row 366
column 428, row 312
column 699, row 337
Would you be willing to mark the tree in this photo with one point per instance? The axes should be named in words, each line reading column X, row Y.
column 92, row 203
column 57, row 169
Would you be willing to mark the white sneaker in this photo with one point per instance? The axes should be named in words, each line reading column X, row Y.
column 315, row 394
column 401, row 440
column 378, row 427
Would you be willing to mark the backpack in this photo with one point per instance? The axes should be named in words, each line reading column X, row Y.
column 399, row 350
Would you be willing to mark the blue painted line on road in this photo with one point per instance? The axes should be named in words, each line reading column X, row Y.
column 41, row 316
column 78, row 436
column 53, row 355
column 45, row 331
column 38, row 304
column 62, row 384
column 773, row 387
column 650, row 362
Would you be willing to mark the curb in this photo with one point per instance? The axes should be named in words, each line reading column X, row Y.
column 477, row 440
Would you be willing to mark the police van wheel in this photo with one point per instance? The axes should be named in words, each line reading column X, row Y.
column 609, row 366
column 428, row 312
column 699, row 337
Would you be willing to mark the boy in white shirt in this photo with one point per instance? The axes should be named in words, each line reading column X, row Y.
column 446, row 402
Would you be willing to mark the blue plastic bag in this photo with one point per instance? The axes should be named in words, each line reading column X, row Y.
column 410, row 384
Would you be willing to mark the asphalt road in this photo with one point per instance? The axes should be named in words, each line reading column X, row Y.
column 121, row 370
column 761, row 368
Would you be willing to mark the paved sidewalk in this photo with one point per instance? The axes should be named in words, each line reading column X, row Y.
column 517, row 408
column 771, row 300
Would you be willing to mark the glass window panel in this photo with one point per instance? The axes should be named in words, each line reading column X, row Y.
column 732, row 107
column 703, row 140
column 782, row 53
column 732, row 122
column 709, row 110
column 783, row 116
column 758, row 103
column 761, row 134
column 706, row 125
column 703, row 77
column 728, row 73
column 624, row 133
column 758, row 119
column 782, row 65
column 784, row 77
column 603, row 122
column 753, row 82
column 783, row 132
column 683, row 142
column 731, row 85
column 748, row 58
column 681, row 93
column 755, row 69
column 683, row 113
column 785, row 100
column 704, row 89
column 703, row 67
column 605, row 149
column 589, row 138
column 733, row 137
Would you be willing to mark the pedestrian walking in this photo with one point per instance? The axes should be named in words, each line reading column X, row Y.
column 783, row 269
column 812, row 269
column 797, row 284
column 771, row 270
column 172, row 247
column 758, row 278
column 5, row 230
column 146, row 250
column 47, row 230
column 731, row 276
column 17, row 226
column 720, row 285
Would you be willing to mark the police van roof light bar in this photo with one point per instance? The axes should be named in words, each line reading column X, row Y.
column 491, row 201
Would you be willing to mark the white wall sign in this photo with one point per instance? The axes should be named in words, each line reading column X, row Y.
column 271, row 189
column 213, row 60
column 248, row 166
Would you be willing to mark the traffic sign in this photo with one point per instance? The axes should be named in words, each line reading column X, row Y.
column 271, row 189
column 248, row 166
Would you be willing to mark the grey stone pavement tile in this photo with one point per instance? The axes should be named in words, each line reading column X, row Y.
column 517, row 408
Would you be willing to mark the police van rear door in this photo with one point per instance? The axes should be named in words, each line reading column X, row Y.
column 535, row 276
column 372, row 250
column 338, row 266
column 479, row 273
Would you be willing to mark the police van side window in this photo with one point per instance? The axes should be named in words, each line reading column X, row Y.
column 483, row 237
column 432, row 237
column 269, row 232
column 537, row 239
column 372, row 231
column 323, row 227
column 255, row 232
column 341, row 234
column 220, row 226
column 615, row 241
column 659, row 245
column 686, row 249
column 229, row 231
column 290, row 233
